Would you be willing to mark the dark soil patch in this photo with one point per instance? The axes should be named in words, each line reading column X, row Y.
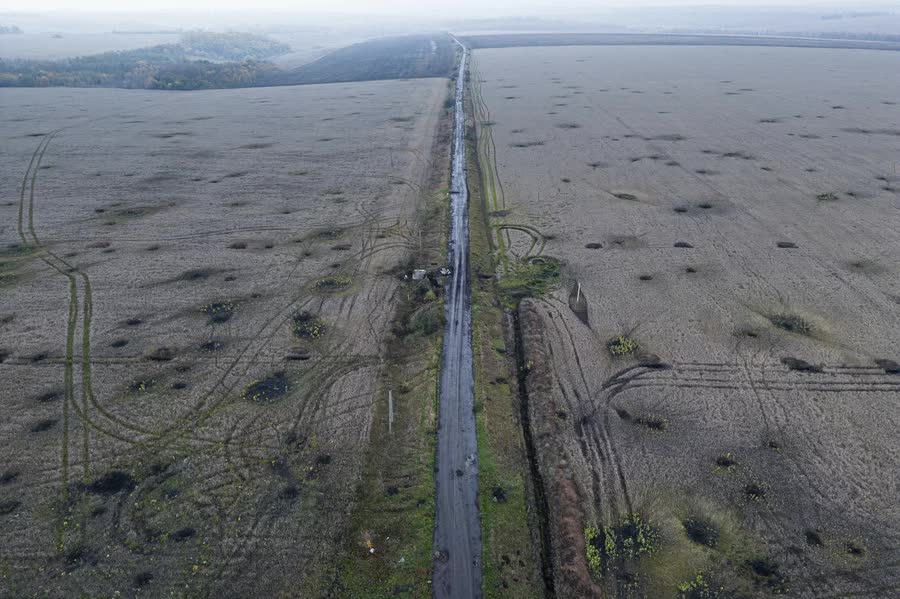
column 654, row 423
column 889, row 366
column 272, row 388
column 182, row 534
column 49, row 396
column 79, row 556
column 43, row 425
column 160, row 354
column 218, row 312
column 756, row 491
column 726, row 462
column 791, row 323
column 306, row 325
column 800, row 365
column 813, row 538
column 9, row 477
column 196, row 274
column 701, row 530
column 115, row 481
column 9, row 506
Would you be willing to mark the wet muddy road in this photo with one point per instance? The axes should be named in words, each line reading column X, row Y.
column 457, row 534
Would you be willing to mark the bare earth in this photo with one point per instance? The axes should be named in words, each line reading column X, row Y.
column 193, row 306
column 733, row 212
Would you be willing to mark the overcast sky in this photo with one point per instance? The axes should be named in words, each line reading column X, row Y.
column 511, row 7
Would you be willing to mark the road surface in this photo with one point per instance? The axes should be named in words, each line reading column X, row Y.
column 457, row 531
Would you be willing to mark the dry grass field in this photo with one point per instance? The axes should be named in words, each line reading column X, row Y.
column 715, row 411
column 195, row 293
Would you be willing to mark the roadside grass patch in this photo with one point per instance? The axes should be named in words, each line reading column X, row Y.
column 532, row 277
column 272, row 388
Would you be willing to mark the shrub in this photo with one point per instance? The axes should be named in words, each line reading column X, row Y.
column 622, row 346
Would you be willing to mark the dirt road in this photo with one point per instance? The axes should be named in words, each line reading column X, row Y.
column 457, row 534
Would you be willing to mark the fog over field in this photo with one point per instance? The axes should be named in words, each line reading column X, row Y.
column 418, row 299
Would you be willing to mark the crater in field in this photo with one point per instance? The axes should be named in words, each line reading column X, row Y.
column 43, row 425
column 791, row 323
column 269, row 389
column 800, row 365
column 700, row 530
column 115, row 481
column 889, row 366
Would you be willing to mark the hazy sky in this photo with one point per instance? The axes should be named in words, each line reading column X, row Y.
column 392, row 6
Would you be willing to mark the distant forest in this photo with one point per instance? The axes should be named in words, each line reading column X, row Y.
column 199, row 61
column 216, row 61
column 5, row 29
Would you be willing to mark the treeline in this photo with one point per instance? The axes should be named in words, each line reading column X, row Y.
column 404, row 57
column 225, row 61
column 115, row 70
column 232, row 46
column 5, row 29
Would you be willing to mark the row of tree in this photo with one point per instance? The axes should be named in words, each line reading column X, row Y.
column 200, row 61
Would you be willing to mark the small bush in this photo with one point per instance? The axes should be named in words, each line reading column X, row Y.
column 611, row 546
column 272, row 388
column 622, row 346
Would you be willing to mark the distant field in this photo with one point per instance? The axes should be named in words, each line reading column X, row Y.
column 197, row 294
column 720, row 357
column 630, row 39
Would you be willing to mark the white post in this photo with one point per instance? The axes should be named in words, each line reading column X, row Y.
column 390, row 411
column 578, row 294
